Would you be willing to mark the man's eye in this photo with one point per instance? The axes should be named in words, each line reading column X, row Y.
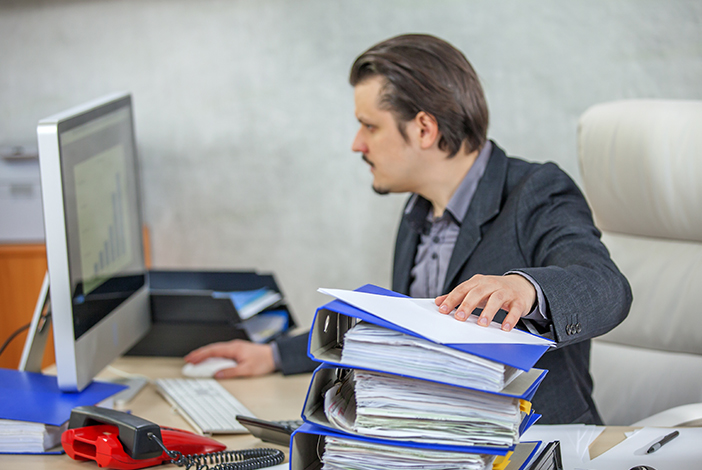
column 370, row 127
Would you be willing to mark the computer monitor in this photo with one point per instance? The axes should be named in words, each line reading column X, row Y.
column 97, row 278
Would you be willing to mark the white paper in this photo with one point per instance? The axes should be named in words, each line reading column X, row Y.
column 399, row 353
column 575, row 440
column 393, row 407
column 27, row 437
column 682, row 452
column 422, row 317
column 342, row 454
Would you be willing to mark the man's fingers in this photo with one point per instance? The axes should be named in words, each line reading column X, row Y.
column 516, row 312
column 491, row 293
column 198, row 355
column 455, row 297
column 227, row 349
column 231, row 373
column 458, row 296
column 477, row 297
column 494, row 303
column 440, row 300
column 469, row 304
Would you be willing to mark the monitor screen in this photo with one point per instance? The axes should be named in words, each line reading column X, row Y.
column 97, row 277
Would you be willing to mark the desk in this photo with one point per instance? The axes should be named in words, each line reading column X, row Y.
column 273, row 397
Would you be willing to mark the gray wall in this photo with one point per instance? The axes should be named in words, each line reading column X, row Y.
column 245, row 119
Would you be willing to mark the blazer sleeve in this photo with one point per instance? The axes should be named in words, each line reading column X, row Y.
column 586, row 294
column 293, row 354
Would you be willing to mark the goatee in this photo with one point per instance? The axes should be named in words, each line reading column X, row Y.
column 381, row 191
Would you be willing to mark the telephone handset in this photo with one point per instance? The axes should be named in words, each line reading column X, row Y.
column 119, row 440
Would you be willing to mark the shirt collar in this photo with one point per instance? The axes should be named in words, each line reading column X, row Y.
column 418, row 210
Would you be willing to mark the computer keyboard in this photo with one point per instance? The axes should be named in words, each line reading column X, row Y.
column 205, row 404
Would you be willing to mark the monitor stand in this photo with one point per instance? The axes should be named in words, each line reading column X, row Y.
column 39, row 329
column 35, row 344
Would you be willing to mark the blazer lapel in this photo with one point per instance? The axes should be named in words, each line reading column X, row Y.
column 405, row 250
column 484, row 206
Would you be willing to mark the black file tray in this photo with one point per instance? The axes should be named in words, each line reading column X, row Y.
column 185, row 316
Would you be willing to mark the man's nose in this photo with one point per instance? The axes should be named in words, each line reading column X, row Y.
column 358, row 144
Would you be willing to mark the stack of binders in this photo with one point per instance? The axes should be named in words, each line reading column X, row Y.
column 401, row 385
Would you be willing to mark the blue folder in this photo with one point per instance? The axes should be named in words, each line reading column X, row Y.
column 307, row 446
column 524, row 390
column 309, row 428
column 29, row 396
column 325, row 374
column 520, row 356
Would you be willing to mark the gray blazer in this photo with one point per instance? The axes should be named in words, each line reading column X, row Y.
column 532, row 218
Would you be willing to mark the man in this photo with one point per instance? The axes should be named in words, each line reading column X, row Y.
column 481, row 230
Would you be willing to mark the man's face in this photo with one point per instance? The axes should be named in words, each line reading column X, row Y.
column 394, row 162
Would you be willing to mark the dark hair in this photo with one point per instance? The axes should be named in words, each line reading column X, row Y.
column 425, row 73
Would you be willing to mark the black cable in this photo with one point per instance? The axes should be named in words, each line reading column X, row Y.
column 246, row 459
column 13, row 336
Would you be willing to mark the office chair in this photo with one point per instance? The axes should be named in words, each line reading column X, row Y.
column 641, row 164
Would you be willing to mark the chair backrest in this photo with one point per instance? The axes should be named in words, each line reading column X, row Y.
column 641, row 164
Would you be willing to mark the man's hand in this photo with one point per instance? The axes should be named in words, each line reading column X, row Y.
column 252, row 359
column 512, row 293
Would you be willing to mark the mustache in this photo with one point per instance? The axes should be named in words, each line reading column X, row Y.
column 365, row 159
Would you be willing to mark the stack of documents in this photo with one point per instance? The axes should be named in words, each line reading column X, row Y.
column 400, row 353
column 394, row 407
column 249, row 303
column 255, row 309
column 266, row 325
column 22, row 437
column 342, row 454
column 402, row 385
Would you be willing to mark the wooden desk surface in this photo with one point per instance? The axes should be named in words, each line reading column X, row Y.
column 273, row 397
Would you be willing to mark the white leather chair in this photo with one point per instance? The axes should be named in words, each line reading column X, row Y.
column 641, row 164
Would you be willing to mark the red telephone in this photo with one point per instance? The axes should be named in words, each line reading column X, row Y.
column 120, row 440
column 123, row 441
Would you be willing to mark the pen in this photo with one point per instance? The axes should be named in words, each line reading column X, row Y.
column 662, row 442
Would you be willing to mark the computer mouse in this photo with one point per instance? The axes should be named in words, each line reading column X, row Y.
column 642, row 467
column 207, row 368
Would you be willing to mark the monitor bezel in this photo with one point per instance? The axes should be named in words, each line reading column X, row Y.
column 79, row 360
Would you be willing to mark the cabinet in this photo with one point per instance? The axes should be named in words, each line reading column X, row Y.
column 22, row 269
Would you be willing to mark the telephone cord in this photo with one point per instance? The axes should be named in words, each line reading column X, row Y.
column 245, row 459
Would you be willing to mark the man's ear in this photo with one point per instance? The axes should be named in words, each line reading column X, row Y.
column 428, row 129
